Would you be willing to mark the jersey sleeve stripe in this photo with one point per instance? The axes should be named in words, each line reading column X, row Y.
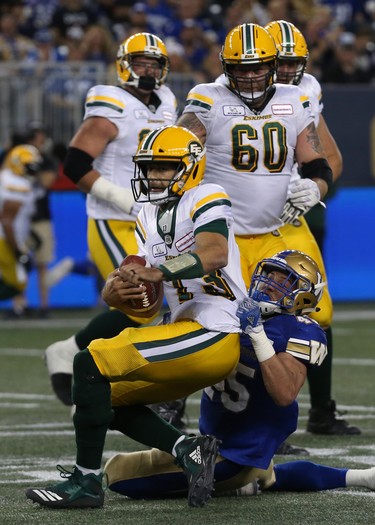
column 104, row 104
column 194, row 99
column 203, row 209
column 299, row 349
column 213, row 196
column 110, row 100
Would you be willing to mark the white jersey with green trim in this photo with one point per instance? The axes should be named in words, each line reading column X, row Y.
column 133, row 120
column 251, row 155
column 18, row 188
column 311, row 88
column 164, row 235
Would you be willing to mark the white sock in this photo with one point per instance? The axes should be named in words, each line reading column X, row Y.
column 86, row 471
column 361, row 478
column 181, row 438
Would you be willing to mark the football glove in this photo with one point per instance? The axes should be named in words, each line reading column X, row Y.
column 249, row 314
column 290, row 212
column 304, row 194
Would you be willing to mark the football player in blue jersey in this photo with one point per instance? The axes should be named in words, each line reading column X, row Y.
column 255, row 409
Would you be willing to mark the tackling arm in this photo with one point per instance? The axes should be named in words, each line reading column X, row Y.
column 283, row 375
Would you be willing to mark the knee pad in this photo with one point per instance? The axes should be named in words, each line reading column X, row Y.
column 91, row 392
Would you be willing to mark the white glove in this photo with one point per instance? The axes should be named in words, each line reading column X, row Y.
column 304, row 194
column 106, row 190
column 290, row 212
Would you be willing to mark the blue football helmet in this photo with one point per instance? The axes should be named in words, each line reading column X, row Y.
column 301, row 290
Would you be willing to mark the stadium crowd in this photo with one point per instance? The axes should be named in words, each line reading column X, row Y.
column 340, row 33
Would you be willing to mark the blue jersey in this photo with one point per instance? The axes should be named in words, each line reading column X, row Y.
column 240, row 412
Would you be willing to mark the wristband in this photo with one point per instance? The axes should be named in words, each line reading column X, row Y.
column 106, row 190
column 187, row 266
column 317, row 169
column 77, row 164
column 262, row 345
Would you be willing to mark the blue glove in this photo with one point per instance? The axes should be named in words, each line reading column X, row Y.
column 249, row 315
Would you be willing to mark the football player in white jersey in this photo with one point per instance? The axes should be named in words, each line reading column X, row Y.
column 293, row 56
column 99, row 161
column 254, row 130
column 185, row 233
column 22, row 168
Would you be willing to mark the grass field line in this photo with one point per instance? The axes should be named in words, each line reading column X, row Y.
column 41, row 469
column 194, row 401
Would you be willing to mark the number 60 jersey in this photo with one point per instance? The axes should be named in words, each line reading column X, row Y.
column 165, row 234
column 251, row 155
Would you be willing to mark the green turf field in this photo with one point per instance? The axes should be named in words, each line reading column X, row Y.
column 36, row 433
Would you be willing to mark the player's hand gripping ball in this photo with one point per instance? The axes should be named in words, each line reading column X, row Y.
column 151, row 301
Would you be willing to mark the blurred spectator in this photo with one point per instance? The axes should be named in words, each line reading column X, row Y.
column 347, row 13
column 97, row 45
column 71, row 19
column 177, row 56
column 138, row 17
column 159, row 13
column 211, row 66
column 280, row 10
column 13, row 45
column 365, row 44
column 345, row 67
column 37, row 16
column 115, row 16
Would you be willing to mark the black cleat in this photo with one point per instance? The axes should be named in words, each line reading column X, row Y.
column 197, row 456
column 286, row 449
column 325, row 421
column 77, row 492
column 172, row 412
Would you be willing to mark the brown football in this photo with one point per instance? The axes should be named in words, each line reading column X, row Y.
column 153, row 299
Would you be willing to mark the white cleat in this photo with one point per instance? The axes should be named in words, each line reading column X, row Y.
column 59, row 358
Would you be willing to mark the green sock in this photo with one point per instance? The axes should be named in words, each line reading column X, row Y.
column 142, row 424
column 320, row 377
column 92, row 397
column 105, row 325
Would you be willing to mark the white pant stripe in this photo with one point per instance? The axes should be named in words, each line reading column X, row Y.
column 110, row 245
column 175, row 347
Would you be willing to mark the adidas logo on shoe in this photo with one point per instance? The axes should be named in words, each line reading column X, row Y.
column 196, row 455
column 47, row 495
